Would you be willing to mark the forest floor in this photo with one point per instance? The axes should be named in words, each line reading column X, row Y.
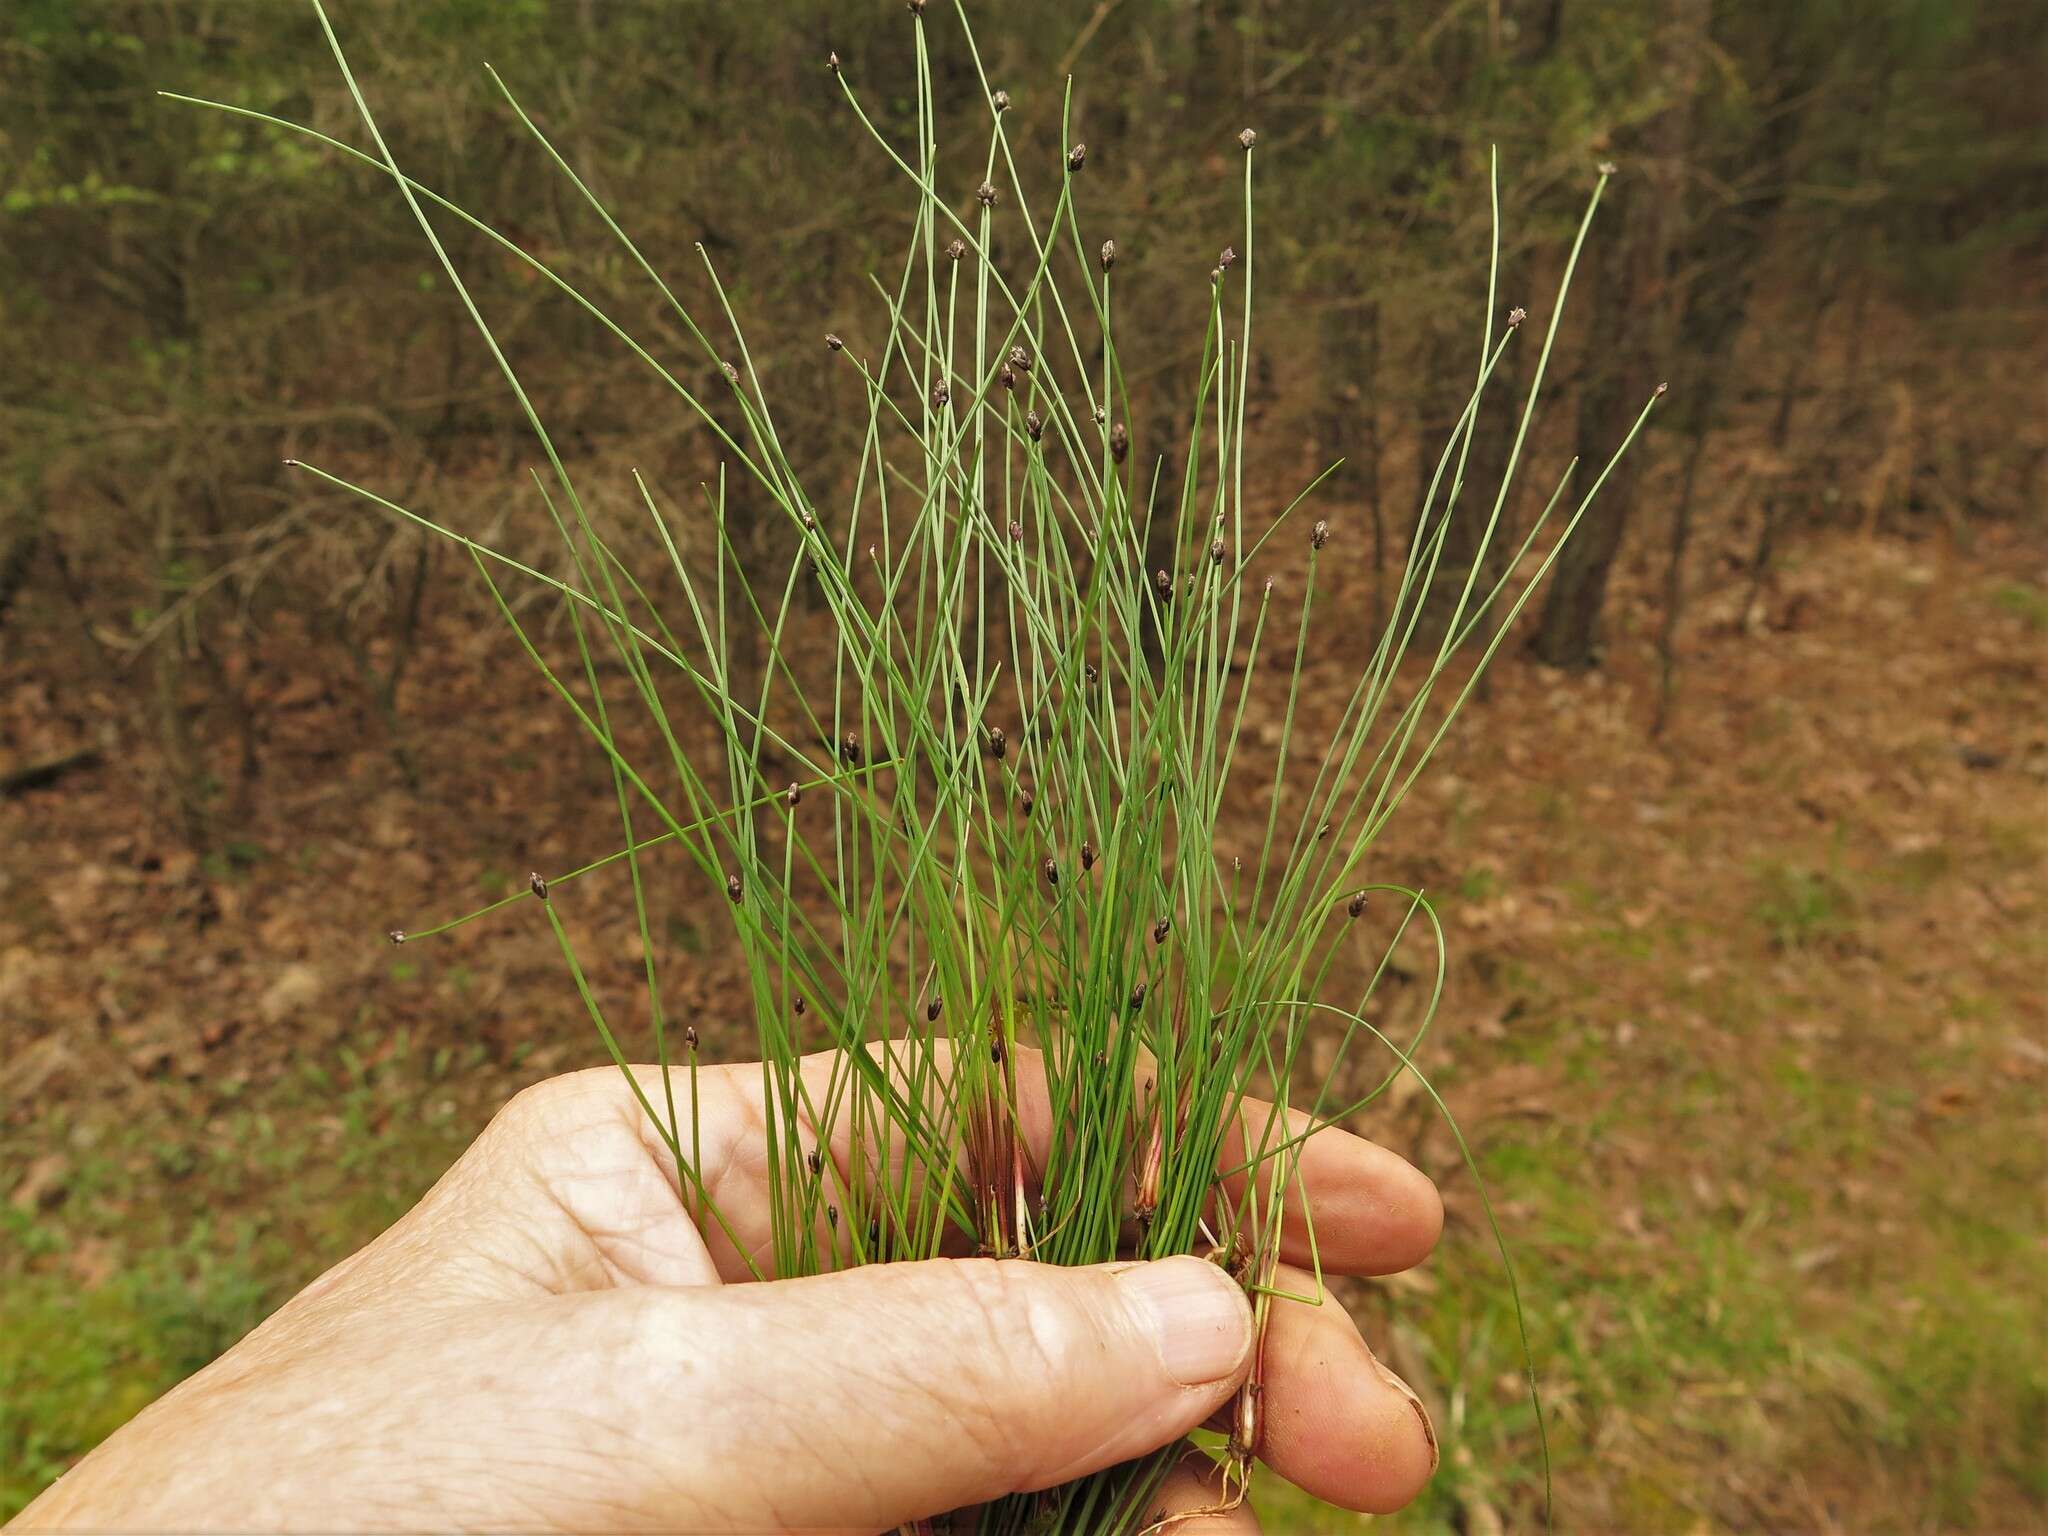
column 1748, row 1027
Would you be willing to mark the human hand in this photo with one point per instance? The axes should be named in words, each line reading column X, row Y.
column 548, row 1341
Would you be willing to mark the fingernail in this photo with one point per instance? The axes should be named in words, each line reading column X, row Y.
column 1198, row 1316
column 1414, row 1401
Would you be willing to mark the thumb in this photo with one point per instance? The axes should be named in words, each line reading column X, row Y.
column 880, row 1395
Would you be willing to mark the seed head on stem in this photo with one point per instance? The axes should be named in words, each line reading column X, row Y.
column 986, row 194
column 1108, row 254
column 1076, row 158
column 537, row 885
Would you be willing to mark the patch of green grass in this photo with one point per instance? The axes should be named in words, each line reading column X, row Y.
column 76, row 1364
column 2024, row 601
column 178, row 1229
column 1801, row 907
column 1479, row 884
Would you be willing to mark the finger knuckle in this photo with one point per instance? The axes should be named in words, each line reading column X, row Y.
column 1020, row 1328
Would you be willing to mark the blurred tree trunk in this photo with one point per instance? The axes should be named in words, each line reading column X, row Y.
column 1728, row 250
column 1347, row 420
column 21, row 535
column 1632, row 326
column 1466, row 541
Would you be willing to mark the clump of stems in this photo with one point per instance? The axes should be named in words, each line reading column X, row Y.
column 983, row 818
